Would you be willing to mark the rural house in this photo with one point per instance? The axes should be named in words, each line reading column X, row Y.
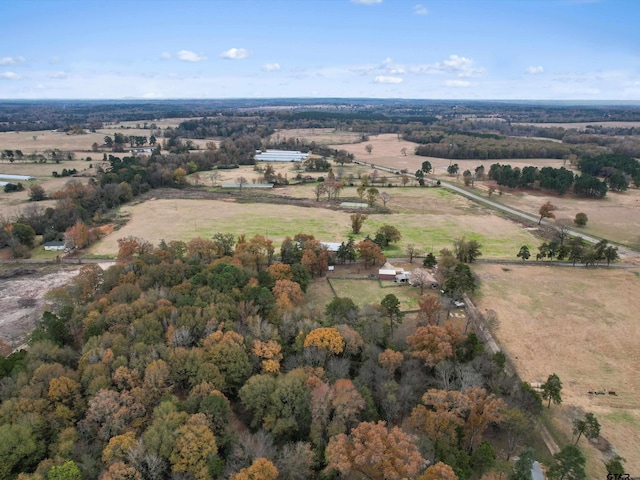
column 389, row 272
column 55, row 246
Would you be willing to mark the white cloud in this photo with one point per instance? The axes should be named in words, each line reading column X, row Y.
column 188, row 56
column 420, row 10
column 455, row 64
column 10, row 75
column 387, row 79
column 166, row 55
column 11, row 60
column 58, row 75
column 534, row 70
column 457, row 83
column 235, row 54
column 271, row 67
column 366, row 2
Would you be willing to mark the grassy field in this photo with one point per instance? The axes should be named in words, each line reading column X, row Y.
column 187, row 219
column 364, row 292
column 614, row 218
column 582, row 325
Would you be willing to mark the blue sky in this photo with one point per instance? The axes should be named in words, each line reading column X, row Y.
column 446, row 49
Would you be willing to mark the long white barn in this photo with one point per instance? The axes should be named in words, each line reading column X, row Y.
column 17, row 178
column 280, row 156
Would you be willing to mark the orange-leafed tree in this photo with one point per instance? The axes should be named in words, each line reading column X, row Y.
column 287, row 293
column 325, row 338
column 376, row 452
column 483, row 409
column 121, row 471
column 441, row 415
column 432, row 344
column 315, row 257
column 430, row 307
column 255, row 252
column 195, row 445
column 79, row 235
column 390, row 360
column 118, row 447
column 269, row 353
column 260, row 469
column 201, row 249
column 370, row 252
column 439, row 471
column 280, row 271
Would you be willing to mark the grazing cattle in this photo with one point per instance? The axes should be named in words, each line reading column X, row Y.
column 613, row 393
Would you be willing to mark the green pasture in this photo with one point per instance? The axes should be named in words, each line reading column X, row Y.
column 364, row 292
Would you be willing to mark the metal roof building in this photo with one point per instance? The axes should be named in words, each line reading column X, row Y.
column 281, row 156
column 19, row 178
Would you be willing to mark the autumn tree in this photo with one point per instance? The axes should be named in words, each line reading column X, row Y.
column 484, row 409
column 430, row 307
column 369, row 252
column 260, row 469
column 388, row 234
column 326, row 338
column 269, row 353
column 195, row 448
column 376, row 452
column 372, row 195
column 546, row 211
column 255, row 252
column 588, row 425
column 390, row 360
column 432, row 343
column 439, row 471
column 551, row 390
column 357, row 220
column 288, row 294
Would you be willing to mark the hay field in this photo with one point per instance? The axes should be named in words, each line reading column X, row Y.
column 81, row 144
column 582, row 325
column 185, row 219
column 616, row 217
column 323, row 136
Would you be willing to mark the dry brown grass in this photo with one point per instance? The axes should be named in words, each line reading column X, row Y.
column 614, row 217
column 582, row 325
column 323, row 136
column 583, row 125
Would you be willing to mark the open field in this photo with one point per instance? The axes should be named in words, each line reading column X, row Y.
column 582, row 125
column 582, row 325
column 323, row 136
column 614, row 217
column 186, row 219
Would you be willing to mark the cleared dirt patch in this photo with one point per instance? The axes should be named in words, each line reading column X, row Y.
column 582, row 325
column 22, row 298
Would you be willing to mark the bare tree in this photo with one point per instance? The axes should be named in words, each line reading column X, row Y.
column 241, row 181
column 412, row 251
column 385, row 197
column 369, row 148
column 420, row 277
column 403, row 151
column 215, row 178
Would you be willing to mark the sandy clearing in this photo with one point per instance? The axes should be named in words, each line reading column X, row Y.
column 17, row 322
column 582, row 325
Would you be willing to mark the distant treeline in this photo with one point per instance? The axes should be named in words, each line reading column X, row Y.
column 359, row 114
column 471, row 145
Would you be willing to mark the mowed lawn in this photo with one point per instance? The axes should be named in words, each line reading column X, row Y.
column 155, row 220
column 364, row 292
column 581, row 324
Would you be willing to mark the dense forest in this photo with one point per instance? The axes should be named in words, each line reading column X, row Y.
column 201, row 360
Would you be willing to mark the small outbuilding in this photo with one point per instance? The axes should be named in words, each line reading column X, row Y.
column 389, row 272
column 55, row 246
